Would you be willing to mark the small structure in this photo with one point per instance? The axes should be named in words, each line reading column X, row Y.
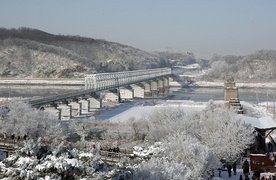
column 264, row 126
column 263, row 156
column 262, row 162
column 231, row 95
column 230, row 89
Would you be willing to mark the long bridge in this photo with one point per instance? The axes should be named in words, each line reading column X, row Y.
column 115, row 87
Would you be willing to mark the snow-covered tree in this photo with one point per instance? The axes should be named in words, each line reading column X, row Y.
column 62, row 162
column 226, row 135
column 81, row 127
column 187, row 150
column 168, row 121
column 215, row 127
column 87, row 128
column 22, row 119
column 161, row 168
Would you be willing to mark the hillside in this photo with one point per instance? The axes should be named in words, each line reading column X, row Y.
column 256, row 67
column 33, row 53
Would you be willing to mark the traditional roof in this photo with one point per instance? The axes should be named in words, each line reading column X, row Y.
column 263, row 123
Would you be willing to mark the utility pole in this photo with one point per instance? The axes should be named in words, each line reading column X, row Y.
column 257, row 98
column 274, row 106
column 9, row 91
column 267, row 100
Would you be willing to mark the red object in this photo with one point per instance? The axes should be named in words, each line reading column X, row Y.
column 262, row 163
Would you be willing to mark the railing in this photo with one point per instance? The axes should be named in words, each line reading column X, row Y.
column 113, row 156
column 8, row 144
column 112, row 80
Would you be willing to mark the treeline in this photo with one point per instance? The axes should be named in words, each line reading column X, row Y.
column 38, row 35
column 28, row 52
column 260, row 65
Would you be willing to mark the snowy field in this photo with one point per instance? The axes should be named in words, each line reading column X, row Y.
column 133, row 110
column 129, row 110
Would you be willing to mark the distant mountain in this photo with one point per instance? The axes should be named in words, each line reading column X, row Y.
column 259, row 66
column 27, row 53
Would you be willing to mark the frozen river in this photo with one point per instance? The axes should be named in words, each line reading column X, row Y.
column 252, row 95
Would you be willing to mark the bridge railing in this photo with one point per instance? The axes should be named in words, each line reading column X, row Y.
column 112, row 80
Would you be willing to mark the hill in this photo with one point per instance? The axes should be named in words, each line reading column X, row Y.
column 31, row 53
column 257, row 67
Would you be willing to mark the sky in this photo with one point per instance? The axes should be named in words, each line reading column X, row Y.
column 223, row 27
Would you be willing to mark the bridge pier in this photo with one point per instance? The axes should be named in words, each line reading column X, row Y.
column 111, row 95
column 147, row 92
column 166, row 81
column 95, row 103
column 65, row 111
column 52, row 110
column 126, row 93
column 75, row 108
column 84, row 106
column 161, row 87
column 154, row 88
column 138, row 90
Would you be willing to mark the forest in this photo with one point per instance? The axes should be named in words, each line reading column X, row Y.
column 168, row 144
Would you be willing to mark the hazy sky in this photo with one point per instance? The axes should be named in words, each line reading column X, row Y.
column 209, row 26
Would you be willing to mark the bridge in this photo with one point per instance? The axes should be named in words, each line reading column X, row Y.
column 110, row 87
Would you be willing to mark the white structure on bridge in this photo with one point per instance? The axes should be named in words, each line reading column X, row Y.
column 130, row 84
column 113, row 80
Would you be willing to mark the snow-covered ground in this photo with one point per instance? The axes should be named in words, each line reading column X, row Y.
column 128, row 111
column 132, row 110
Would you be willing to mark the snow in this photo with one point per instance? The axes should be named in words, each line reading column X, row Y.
column 260, row 123
column 142, row 152
column 138, row 112
column 58, row 163
column 24, row 160
column 85, row 155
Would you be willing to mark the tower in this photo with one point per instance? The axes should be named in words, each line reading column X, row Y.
column 231, row 95
column 230, row 89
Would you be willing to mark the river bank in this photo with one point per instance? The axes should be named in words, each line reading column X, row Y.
column 238, row 84
column 80, row 82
